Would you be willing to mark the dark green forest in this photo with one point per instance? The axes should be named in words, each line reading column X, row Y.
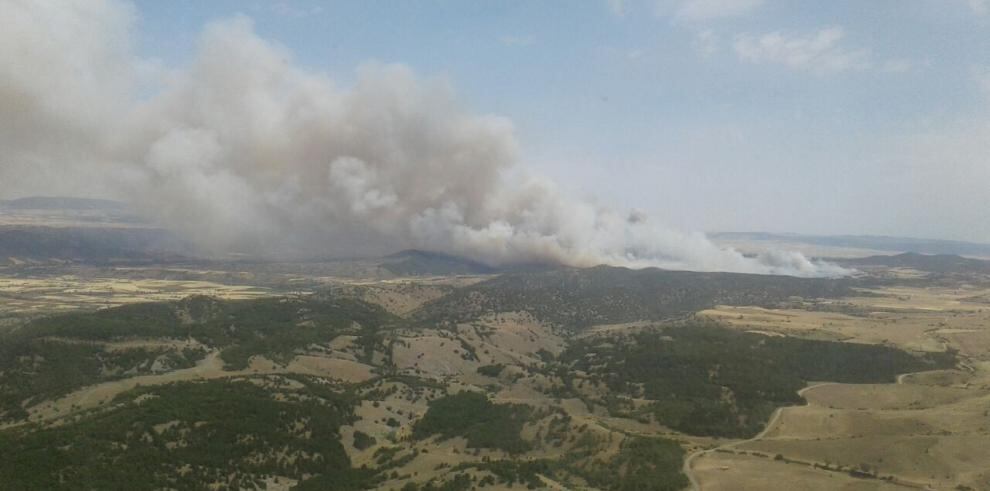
column 709, row 380
column 473, row 416
column 578, row 298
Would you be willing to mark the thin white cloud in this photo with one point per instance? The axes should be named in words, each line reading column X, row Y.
column 941, row 175
column 981, row 76
column 979, row 7
column 516, row 41
column 819, row 52
column 702, row 10
column 286, row 8
column 617, row 7
column 706, row 42
column 897, row 66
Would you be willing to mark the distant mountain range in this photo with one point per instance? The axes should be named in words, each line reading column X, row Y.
column 934, row 263
column 99, row 240
column 423, row 263
column 82, row 229
column 414, row 262
column 90, row 244
column 62, row 203
column 874, row 242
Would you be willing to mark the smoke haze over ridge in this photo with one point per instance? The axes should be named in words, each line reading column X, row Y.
column 242, row 149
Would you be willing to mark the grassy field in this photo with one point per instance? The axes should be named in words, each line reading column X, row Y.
column 917, row 319
column 929, row 430
column 38, row 296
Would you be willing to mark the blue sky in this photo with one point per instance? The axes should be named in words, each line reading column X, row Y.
column 803, row 116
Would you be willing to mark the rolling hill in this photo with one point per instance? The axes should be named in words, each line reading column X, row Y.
column 578, row 298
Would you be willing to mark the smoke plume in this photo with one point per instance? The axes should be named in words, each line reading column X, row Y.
column 244, row 150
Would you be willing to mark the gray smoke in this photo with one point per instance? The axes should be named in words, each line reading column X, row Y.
column 244, row 150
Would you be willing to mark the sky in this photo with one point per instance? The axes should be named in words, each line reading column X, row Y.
column 581, row 133
column 785, row 116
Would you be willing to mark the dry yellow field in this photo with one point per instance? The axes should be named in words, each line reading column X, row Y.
column 743, row 472
column 930, row 430
column 915, row 319
column 402, row 296
column 937, row 445
column 33, row 296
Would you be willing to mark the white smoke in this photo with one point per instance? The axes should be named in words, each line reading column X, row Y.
column 244, row 150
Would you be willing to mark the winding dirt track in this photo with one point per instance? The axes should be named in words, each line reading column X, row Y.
column 695, row 485
column 210, row 367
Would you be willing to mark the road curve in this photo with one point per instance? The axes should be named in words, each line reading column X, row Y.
column 770, row 424
column 696, row 486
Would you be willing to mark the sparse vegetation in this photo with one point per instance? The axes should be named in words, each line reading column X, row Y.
column 52, row 356
column 642, row 464
column 187, row 436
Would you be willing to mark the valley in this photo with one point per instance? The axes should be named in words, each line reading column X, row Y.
column 422, row 371
column 394, row 348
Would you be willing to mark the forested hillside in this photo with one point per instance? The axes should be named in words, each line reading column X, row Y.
column 577, row 298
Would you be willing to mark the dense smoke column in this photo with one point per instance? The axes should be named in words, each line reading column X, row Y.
column 245, row 151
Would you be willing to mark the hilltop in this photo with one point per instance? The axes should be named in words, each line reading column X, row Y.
column 62, row 203
column 578, row 298
column 934, row 263
column 876, row 243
